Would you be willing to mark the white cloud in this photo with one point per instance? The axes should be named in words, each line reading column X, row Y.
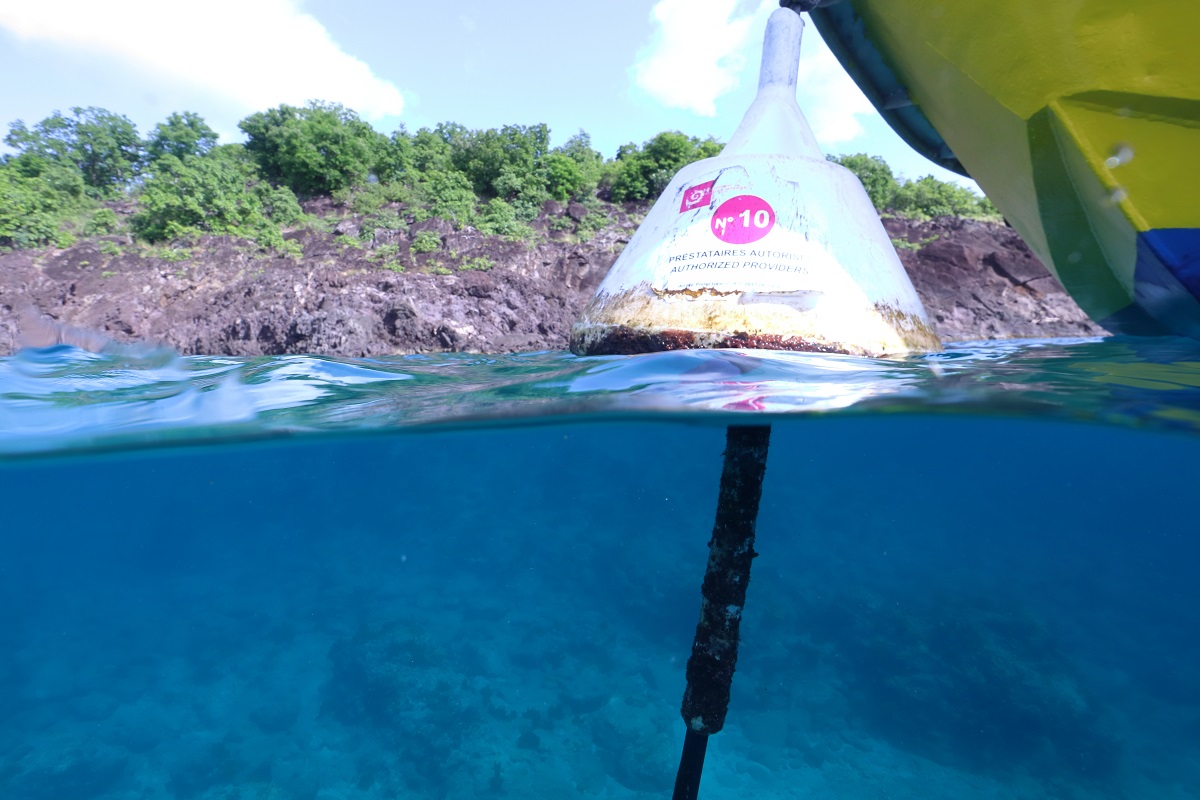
column 705, row 49
column 830, row 99
column 699, row 52
column 254, row 53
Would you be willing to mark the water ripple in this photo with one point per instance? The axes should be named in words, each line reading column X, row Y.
column 64, row 399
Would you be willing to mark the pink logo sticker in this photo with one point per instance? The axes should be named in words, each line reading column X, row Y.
column 743, row 219
column 696, row 196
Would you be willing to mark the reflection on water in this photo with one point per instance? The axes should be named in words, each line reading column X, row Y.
column 67, row 399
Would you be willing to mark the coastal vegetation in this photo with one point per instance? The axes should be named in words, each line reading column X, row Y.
column 89, row 173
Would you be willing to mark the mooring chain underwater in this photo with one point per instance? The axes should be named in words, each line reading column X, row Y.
column 730, row 553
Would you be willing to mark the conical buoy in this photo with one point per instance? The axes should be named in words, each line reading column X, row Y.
column 768, row 245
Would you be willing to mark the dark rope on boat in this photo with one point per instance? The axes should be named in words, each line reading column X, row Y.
column 730, row 553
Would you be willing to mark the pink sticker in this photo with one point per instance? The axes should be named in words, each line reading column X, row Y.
column 696, row 196
column 743, row 219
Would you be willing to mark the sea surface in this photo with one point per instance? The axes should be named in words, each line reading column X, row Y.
column 463, row 576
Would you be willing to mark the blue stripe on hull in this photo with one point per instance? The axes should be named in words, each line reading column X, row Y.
column 1177, row 249
column 1167, row 277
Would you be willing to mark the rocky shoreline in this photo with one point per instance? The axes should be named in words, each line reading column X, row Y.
column 353, row 294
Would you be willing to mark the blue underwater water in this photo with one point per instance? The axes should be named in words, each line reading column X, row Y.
column 465, row 576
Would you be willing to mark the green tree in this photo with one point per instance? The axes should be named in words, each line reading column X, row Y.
column 102, row 222
column 707, row 148
column 211, row 194
column 929, row 197
column 30, row 212
column 49, row 141
column 922, row 198
column 59, row 178
column 564, row 177
column 499, row 218
column 448, row 195
column 502, row 162
column 525, row 191
column 452, row 133
column 642, row 174
column 183, row 134
column 318, row 149
column 279, row 203
column 235, row 153
column 104, row 147
column 874, row 174
column 590, row 163
column 430, row 152
column 397, row 160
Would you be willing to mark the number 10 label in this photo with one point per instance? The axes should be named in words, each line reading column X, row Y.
column 743, row 219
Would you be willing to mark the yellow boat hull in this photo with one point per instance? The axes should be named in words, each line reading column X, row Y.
column 1080, row 119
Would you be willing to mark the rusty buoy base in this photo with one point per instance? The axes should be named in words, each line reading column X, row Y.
column 893, row 332
column 622, row 340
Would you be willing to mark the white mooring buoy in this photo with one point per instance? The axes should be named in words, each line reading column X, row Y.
column 768, row 245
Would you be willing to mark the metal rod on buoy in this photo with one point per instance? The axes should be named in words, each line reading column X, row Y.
column 767, row 245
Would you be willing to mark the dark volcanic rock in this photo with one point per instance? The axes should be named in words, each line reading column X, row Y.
column 978, row 280
column 365, row 293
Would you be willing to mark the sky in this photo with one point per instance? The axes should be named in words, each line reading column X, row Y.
column 623, row 70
